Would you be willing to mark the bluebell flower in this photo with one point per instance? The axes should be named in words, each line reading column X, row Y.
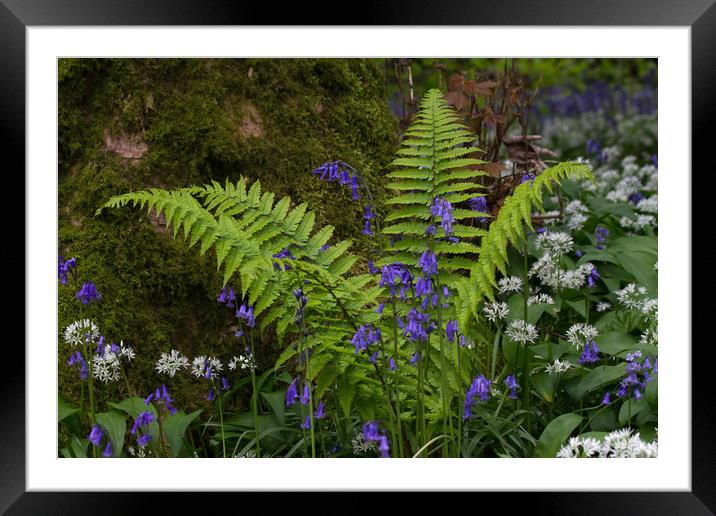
column 88, row 293
column 601, row 234
column 370, row 431
column 578, row 253
column 364, row 336
column 143, row 420
column 451, row 330
column 593, row 277
column 636, row 197
column 226, row 297
column 292, row 393
column 479, row 204
column 479, row 387
column 354, row 187
column 430, row 230
column 247, row 313
column 95, row 435
column 428, row 263
column 107, row 450
column 606, row 400
column 593, row 147
column 443, row 209
column 372, row 359
column 462, row 341
column 414, row 359
column 64, row 267
column 325, row 247
column 414, row 329
column 210, row 397
column 224, row 383
column 380, row 308
column 384, row 447
column 76, row 358
column 372, row 268
column 528, row 177
column 424, row 286
column 511, row 383
column 320, row 411
column 306, row 425
column 393, row 367
column 590, row 353
column 655, row 160
column 306, row 395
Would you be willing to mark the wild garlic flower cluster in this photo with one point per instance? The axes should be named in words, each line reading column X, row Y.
column 522, row 332
column 558, row 366
column 509, row 284
column 540, row 298
column 550, row 274
column 81, row 332
column 242, row 362
column 361, row 445
column 171, row 363
column 634, row 297
column 617, row 444
column 555, row 243
column 496, row 311
column 208, row 368
column 580, row 334
column 106, row 362
column 576, row 214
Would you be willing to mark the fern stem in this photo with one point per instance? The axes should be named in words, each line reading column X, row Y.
column 395, row 377
column 254, row 398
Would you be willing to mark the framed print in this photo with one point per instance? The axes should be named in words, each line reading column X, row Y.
column 437, row 244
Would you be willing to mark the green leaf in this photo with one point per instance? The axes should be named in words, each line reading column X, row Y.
column 631, row 408
column 617, row 343
column 599, row 377
column 277, row 402
column 64, row 410
column 555, row 434
column 175, row 427
column 115, row 423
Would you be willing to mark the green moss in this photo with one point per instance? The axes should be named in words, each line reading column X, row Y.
column 202, row 119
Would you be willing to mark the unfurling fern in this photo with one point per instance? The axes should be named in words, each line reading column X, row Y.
column 434, row 163
column 508, row 227
column 267, row 250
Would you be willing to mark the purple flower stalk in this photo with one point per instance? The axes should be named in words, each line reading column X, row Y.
column 590, row 353
column 479, row 387
column 88, row 293
column 95, row 436
column 64, row 267
column 443, row 209
column 593, row 277
column 428, row 263
column 511, row 383
column 451, row 330
column 292, row 393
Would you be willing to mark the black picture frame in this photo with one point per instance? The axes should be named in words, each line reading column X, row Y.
column 700, row 15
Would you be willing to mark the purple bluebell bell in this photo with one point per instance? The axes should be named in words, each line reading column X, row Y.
column 224, row 384
column 607, row 399
column 430, row 230
column 578, row 253
column 65, row 267
column 372, row 268
column 423, row 287
column 511, row 383
column 77, row 358
column 451, row 330
column 306, row 395
column 107, row 453
column 443, row 209
column 320, row 411
column 380, row 308
column 479, row 204
column 391, row 363
column 95, row 435
column 211, row 395
column 370, row 431
column 414, row 359
column 528, row 177
column 636, row 197
column 384, row 447
column 227, row 296
column 374, row 357
column 306, row 425
column 354, row 188
column 364, row 336
column 601, row 234
column 479, row 387
column 88, row 293
column 590, row 353
column 247, row 313
column 428, row 263
column 143, row 420
column 414, row 329
column 292, row 393
column 593, row 277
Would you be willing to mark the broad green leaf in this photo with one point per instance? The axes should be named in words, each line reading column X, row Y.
column 277, row 402
column 555, row 434
column 115, row 423
column 599, row 377
column 174, row 428
column 64, row 410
